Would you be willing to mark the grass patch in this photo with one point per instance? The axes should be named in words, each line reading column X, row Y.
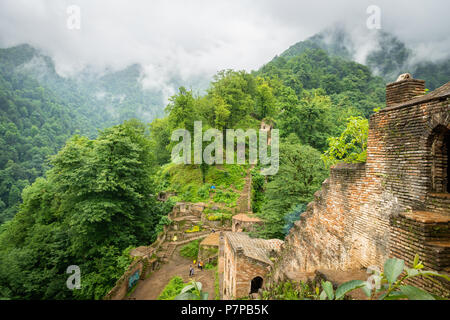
column 216, row 284
column 187, row 182
column 209, row 266
column 190, row 250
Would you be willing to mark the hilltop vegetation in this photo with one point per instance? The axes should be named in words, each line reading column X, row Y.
column 383, row 53
column 93, row 205
column 347, row 83
column 98, row 196
column 40, row 111
column 95, row 198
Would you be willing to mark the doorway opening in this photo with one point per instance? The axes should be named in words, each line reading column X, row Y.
column 256, row 284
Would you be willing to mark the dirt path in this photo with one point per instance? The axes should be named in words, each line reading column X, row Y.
column 150, row 288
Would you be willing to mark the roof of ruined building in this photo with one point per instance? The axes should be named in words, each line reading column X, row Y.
column 246, row 218
column 258, row 249
column 211, row 240
column 439, row 93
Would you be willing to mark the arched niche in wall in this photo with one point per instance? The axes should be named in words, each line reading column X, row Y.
column 439, row 146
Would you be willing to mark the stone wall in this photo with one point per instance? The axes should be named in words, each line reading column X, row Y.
column 143, row 265
column 245, row 223
column 358, row 217
column 245, row 260
column 239, row 270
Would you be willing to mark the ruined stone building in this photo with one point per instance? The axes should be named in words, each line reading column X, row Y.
column 396, row 204
column 245, row 262
column 245, row 222
column 208, row 250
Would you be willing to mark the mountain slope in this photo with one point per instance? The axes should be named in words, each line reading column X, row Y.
column 34, row 123
column 381, row 51
column 40, row 110
column 346, row 82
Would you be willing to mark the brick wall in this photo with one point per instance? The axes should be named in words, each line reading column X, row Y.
column 405, row 90
column 142, row 264
column 239, row 270
column 358, row 217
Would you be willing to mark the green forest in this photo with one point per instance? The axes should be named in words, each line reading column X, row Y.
column 78, row 184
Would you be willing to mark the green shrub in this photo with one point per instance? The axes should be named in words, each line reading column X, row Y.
column 187, row 181
column 219, row 216
column 351, row 145
column 388, row 285
column 209, row 266
column 289, row 290
column 227, row 197
column 203, row 192
column 163, row 221
column 193, row 229
column 172, row 289
column 258, row 188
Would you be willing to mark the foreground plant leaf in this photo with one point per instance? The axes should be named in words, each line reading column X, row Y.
column 414, row 293
column 347, row 287
column 393, row 268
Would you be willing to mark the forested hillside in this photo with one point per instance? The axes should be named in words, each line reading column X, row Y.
column 382, row 52
column 34, row 123
column 95, row 198
column 94, row 203
column 40, row 110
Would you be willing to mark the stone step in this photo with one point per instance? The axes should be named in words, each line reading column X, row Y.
column 168, row 252
column 427, row 217
column 438, row 202
column 187, row 218
column 441, row 254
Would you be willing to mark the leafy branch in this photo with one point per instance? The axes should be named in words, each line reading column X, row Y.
column 388, row 285
column 192, row 291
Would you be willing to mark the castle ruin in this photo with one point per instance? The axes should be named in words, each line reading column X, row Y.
column 396, row 204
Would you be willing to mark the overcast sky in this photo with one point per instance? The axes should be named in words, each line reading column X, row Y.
column 203, row 36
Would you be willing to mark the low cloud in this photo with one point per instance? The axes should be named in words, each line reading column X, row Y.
column 193, row 39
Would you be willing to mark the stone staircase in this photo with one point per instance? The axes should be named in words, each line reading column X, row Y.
column 439, row 203
column 190, row 218
column 168, row 248
column 425, row 232
column 167, row 253
column 244, row 201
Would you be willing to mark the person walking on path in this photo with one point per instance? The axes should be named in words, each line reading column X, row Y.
column 191, row 271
